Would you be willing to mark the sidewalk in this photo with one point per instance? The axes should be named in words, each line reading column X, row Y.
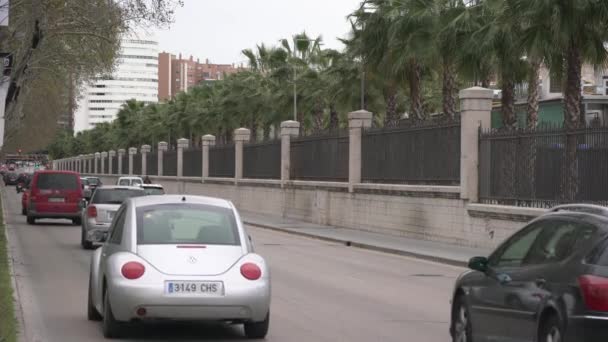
column 434, row 251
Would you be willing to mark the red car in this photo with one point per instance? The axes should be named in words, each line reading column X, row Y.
column 54, row 194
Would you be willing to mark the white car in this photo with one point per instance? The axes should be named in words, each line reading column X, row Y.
column 130, row 181
column 181, row 258
column 153, row 189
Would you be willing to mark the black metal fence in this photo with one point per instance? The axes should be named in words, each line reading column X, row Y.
column 221, row 161
column 137, row 164
column 427, row 154
column 322, row 157
column 170, row 163
column 115, row 165
column 262, row 160
column 152, row 164
column 193, row 163
column 544, row 167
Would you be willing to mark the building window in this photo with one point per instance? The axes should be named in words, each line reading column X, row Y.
column 137, row 57
column 206, row 75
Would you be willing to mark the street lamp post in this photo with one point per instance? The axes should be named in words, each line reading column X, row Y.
column 295, row 83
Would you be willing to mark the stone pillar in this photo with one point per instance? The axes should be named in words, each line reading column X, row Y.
column 104, row 156
column 121, row 155
column 289, row 129
column 145, row 149
column 132, row 152
column 241, row 136
column 111, row 155
column 96, row 163
column 91, row 158
column 181, row 145
column 475, row 113
column 162, row 148
column 357, row 121
column 208, row 140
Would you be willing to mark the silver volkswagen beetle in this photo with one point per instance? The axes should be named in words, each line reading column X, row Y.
column 184, row 258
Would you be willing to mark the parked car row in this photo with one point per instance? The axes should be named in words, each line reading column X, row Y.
column 178, row 257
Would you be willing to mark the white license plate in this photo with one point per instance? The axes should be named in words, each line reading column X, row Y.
column 56, row 200
column 194, row 288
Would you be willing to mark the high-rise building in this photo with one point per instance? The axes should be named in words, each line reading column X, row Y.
column 176, row 74
column 135, row 77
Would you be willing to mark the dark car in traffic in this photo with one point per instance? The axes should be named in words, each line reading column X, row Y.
column 11, row 178
column 548, row 282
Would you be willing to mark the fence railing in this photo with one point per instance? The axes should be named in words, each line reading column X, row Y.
column 544, row 167
column 414, row 155
column 221, row 161
column 322, row 157
column 193, row 163
column 115, row 166
column 262, row 160
column 137, row 164
column 152, row 164
column 170, row 163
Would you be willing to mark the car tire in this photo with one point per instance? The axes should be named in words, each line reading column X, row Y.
column 110, row 326
column 77, row 221
column 462, row 330
column 92, row 313
column 83, row 240
column 255, row 330
column 31, row 220
column 551, row 330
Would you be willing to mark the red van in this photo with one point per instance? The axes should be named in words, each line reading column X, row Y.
column 54, row 194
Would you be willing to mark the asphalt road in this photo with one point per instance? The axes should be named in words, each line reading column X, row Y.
column 321, row 291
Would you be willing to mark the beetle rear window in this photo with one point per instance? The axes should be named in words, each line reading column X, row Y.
column 186, row 224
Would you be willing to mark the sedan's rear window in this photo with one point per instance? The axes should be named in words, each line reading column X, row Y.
column 93, row 181
column 186, row 224
column 57, row 181
column 154, row 191
column 114, row 196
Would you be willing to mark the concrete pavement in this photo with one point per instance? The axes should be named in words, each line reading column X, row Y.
column 428, row 250
column 322, row 291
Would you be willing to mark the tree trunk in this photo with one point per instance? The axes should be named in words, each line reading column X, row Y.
column 533, row 94
column 449, row 89
column 318, row 118
column 531, row 124
column 266, row 129
column 509, row 118
column 572, row 120
column 415, row 83
column 333, row 118
column 392, row 117
column 254, row 128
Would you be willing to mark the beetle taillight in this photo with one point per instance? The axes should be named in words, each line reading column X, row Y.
column 133, row 270
column 595, row 292
column 251, row 271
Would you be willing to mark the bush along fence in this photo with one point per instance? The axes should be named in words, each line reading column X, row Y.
column 538, row 168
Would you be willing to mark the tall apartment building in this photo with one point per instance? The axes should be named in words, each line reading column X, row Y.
column 176, row 74
column 135, row 77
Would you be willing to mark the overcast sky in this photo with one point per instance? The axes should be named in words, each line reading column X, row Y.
column 220, row 29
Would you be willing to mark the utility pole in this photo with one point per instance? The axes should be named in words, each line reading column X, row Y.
column 6, row 64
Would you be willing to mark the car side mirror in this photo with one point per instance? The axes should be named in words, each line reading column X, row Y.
column 479, row 264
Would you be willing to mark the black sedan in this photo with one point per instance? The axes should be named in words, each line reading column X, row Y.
column 548, row 282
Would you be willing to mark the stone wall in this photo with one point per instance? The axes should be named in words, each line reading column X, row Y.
column 423, row 212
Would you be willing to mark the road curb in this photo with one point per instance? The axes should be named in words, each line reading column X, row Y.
column 361, row 245
column 16, row 295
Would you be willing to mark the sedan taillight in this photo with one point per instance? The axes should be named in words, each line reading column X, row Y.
column 595, row 292
column 92, row 211
column 251, row 271
column 133, row 270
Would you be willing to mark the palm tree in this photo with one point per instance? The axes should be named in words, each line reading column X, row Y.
column 569, row 34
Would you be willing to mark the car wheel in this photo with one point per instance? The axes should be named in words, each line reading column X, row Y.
column 77, row 221
column 83, row 240
column 257, row 329
column 31, row 220
column 111, row 327
column 92, row 313
column 462, row 330
column 551, row 330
